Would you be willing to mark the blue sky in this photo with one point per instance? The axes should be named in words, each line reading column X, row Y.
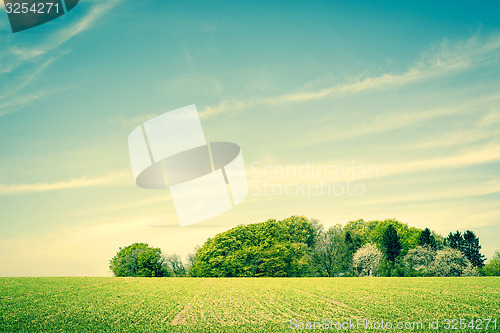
column 408, row 88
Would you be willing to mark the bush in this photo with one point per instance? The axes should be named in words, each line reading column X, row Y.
column 492, row 268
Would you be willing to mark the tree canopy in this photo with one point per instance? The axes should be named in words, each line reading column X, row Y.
column 137, row 259
column 468, row 244
column 271, row 248
column 427, row 239
column 297, row 246
column 492, row 268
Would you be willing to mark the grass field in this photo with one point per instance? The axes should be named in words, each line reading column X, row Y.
column 241, row 304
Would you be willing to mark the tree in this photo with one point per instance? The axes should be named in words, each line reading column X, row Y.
column 407, row 236
column 471, row 249
column 449, row 262
column 418, row 260
column 138, row 259
column 391, row 244
column 426, row 238
column 455, row 240
column 174, row 266
column 357, row 233
column 492, row 268
column 331, row 254
column 271, row 248
column 366, row 260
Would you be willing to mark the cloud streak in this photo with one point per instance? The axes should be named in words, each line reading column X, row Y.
column 112, row 179
column 15, row 58
column 444, row 59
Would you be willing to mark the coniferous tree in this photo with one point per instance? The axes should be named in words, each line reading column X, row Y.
column 471, row 249
column 455, row 240
column 427, row 239
column 391, row 243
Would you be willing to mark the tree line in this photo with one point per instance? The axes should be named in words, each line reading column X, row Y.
column 298, row 247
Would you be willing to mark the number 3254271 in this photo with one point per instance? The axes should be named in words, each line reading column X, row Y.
column 35, row 8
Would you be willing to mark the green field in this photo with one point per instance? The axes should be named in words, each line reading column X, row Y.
column 240, row 304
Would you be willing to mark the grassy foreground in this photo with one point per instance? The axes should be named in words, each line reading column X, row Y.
column 242, row 304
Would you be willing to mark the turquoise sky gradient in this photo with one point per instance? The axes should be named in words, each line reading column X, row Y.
column 409, row 88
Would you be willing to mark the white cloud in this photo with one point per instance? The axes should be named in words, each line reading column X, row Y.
column 487, row 154
column 113, row 179
column 444, row 59
column 311, row 172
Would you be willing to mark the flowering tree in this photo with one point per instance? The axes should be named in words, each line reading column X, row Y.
column 418, row 260
column 451, row 262
column 366, row 260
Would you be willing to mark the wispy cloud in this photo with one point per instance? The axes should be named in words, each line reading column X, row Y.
column 33, row 59
column 132, row 121
column 23, row 54
column 112, row 179
column 443, row 59
column 336, row 170
column 477, row 156
column 394, row 120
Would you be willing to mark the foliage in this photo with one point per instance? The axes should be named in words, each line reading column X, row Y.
column 271, row 248
column 366, row 260
column 427, row 239
column 449, row 262
column 470, row 270
column 492, row 268
column 332, row 252
column 174, row 265
column 418, row 260
column 391, row 244
column 471, row 249
column 468, row 244
column 138, row 259
column 454, row 240
column 363, row 232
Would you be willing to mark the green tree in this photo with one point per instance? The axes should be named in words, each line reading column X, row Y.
column 174, row 266
column 357, row 233
column 471, row 249
column 427, row 239
column 492, row 268
column 332, row 252
column 391, row 244
column 408, row 236
column 271, row 248
column 138, row 259
column 455, row 240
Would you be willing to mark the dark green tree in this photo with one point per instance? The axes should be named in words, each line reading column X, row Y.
column 471, row 249
column 454, row 241
column 138, row 259
column 427, row 239
column 391, row 244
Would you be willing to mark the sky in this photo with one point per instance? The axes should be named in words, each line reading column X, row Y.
column 365, row 110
